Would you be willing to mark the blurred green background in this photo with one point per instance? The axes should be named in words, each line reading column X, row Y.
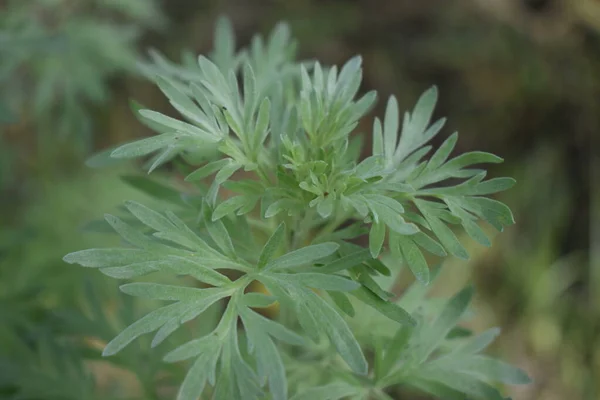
column 519, row 78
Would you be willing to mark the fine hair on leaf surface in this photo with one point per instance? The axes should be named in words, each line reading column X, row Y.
column 277, row 200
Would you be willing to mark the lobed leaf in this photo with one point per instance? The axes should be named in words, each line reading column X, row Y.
column 303, row 256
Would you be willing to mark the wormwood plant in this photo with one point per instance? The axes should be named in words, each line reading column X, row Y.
column 57, row 56
column 274, row 135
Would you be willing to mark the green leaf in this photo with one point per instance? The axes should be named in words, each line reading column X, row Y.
column 109, row 257
column 479, row 342
column 225, row 173
column 376, row 238
column 493, row 211
column 443, row 152
column 218, row 233
column 192, row 303
column 150, row 322
column 447, row 320
column 390, row 128
column 492, row 186
column 416, row 293
column 271, row 246
column 181, row 102
column 303, row 256
column 469, row 223
column 464, row 383
column 279, row 206
column 388, row 211
column 197, row 376
column 445, row 234
column 207, row 170
column 427, row 243
column 153, row 188
column 395, row 347
column 320, row 281
column 130, row 271
column 336, row 329
column 262, row 122
column 229, row 206
column 131, row 235
column 193, row 348
column 146, row 146
column 485, row 368
column 413, row 257
column 370, row 167
column 149, row 217
column 423, row 110
column 362, row 274
column 378, row 145
column 346, row 262
column 224, row 44
column 332, row 391
column 342, row 302
column 179, row 126
column 269, row 360
column 267, row 356
column 171, row 292
column 390, row 310
column 198, row 268
column 437, row 389
column 414, row 128
column 274, row 329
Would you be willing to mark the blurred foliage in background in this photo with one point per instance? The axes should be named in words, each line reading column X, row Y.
column 519, row 78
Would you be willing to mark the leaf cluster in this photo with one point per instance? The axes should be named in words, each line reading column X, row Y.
column 274, row 134
column 57, row 56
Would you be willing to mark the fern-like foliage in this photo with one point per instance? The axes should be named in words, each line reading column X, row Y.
column 435, row 356
column 285, row 126
column 57, row 57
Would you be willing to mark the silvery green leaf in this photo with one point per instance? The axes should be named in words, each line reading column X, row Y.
column 303, row 256
column 198, row 374
column 109, row 257
column 485, row 368
column 319, row 281
column 218, row 232
column 207, row 170
column 229, row 206
column 342, row 302
column 172, row 292
column 444, row 234
column 346, row 262
column 331, row 391
column 478, row 343
column 376, row 238
column 413, row 257
column 447, row 320
column 391, row 123
column 192, row 349
column 463, row 383
column 178, row 126
column 150, row 322
column 336, row 329
column 390, row 310
column 146, row 146
column 153, row 188
column 271, row 247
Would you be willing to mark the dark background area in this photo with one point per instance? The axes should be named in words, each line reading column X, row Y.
column 518, row 78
